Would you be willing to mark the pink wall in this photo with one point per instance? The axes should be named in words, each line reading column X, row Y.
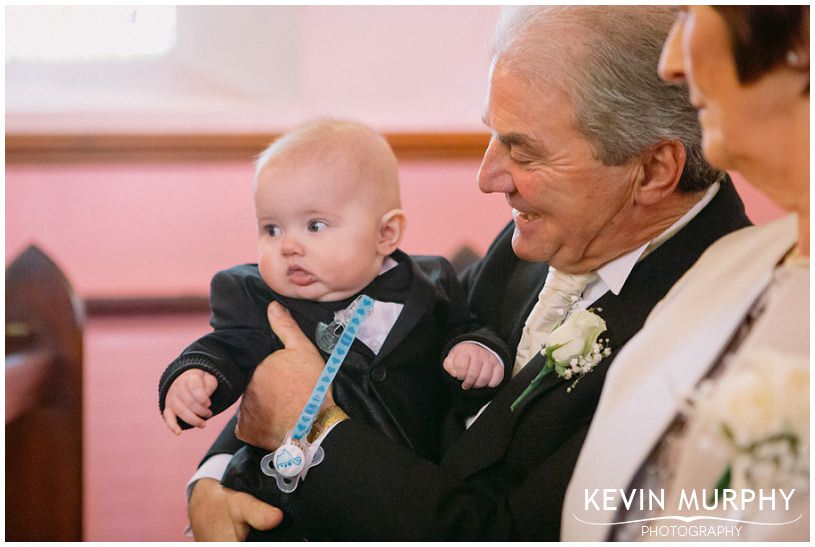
column 759, row 207
column 135, row 469
column 165, row 229
column 265, row 68
column 431, row 61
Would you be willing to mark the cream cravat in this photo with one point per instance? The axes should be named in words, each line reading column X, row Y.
column 558, row 295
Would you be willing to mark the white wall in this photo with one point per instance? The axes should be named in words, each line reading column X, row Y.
column 262, row 68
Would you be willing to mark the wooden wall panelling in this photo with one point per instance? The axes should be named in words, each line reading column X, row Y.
column 105, row 148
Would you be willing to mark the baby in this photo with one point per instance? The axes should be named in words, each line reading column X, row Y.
column 329, row 226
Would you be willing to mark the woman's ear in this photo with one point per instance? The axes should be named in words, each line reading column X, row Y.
column 391, row 229
column 661, row 171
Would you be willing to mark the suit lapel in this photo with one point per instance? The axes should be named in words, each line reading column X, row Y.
column 652, row 278
column 420, row 297
column 470, row 453
column 624, row 313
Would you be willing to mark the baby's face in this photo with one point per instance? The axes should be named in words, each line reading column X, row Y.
column 317, row 231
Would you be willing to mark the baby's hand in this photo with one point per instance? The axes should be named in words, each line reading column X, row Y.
column 188, row 399
column 475, row 365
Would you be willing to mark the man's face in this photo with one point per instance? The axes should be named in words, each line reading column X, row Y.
column 317, row 234
column 567, row 206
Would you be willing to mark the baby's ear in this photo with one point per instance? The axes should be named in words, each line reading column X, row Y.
column 391, row 229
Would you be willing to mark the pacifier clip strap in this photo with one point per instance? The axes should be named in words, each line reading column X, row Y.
column 361, row 308
column 291, row 461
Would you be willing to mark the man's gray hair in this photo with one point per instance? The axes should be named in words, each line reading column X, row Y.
column 605, row 58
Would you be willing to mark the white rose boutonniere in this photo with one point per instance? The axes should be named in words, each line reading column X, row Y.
column 572, row 350
column 758, row 415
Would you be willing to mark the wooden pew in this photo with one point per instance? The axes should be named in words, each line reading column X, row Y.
column 44, row 320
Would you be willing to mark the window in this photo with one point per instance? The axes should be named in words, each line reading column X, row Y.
column 88, row 33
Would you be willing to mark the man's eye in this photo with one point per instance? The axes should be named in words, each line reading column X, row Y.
column 316, row 226
column 272, row 230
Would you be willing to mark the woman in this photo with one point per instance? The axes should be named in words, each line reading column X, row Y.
column 722, row 365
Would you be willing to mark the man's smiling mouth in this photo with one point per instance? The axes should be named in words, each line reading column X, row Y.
column 525, row 216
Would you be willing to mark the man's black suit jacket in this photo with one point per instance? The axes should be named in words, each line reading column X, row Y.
column 506, row 476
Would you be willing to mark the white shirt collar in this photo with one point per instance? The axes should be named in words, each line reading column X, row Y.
column 613, row 274
column 387, row 264
column 376, row 328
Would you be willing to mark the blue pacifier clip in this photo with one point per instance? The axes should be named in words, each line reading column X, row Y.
column 290, row 463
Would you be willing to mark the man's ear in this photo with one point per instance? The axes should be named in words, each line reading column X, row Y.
column 391, row 230
column 661, row 171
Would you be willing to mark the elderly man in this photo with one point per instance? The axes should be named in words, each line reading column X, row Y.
column 612, row 203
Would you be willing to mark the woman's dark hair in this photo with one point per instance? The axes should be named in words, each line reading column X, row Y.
column 761, row 36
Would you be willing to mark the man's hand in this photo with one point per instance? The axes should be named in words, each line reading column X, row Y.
column 474, row 365
column 280, row 386
column 188, row 399
column 220, row 514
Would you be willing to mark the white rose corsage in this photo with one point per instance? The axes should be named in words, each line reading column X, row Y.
column 758, row 417
column 572, row 350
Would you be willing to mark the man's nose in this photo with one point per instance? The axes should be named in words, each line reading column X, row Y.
column 493, row 175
